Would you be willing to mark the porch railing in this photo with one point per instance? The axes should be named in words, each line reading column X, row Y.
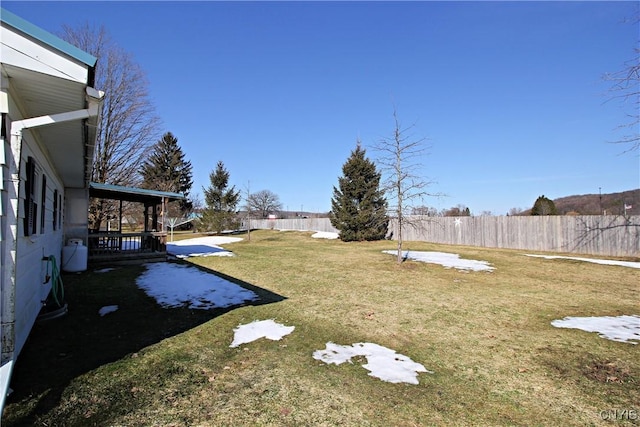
column 114, row 243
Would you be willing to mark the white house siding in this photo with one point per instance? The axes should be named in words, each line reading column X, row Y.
column 31, row 288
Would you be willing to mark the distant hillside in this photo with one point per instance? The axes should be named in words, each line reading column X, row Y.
column 590, row 204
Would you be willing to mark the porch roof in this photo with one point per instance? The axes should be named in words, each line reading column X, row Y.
column 131, row 194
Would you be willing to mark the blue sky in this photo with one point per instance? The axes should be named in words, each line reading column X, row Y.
column 510, row 95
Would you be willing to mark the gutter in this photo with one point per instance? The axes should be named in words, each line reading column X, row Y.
column 10, row 244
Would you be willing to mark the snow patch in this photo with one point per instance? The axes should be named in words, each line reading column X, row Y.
column 260, row 329
column 176, row 285
column 593, row 260
column 104, row 270
column 107, row 309
column 621, row 328
column 445, row 259
column 382, row 362
column 325, row 235
column 201, row 246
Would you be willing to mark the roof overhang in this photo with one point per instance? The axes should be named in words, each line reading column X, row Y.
column 131, row 194
column 47, row 76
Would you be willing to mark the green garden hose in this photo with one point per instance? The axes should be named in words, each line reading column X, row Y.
column 57, row 287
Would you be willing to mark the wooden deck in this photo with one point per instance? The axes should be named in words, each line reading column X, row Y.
column 127, row 248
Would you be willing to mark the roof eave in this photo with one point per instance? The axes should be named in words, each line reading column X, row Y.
column 44, row 36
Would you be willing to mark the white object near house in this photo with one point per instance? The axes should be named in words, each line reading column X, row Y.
column 50, row 116
column 75, row 256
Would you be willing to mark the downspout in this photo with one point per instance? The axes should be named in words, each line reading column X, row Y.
column 8, row 280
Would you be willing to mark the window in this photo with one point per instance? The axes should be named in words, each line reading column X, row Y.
column 55, row 209
column 30, row 205
column 43, row 203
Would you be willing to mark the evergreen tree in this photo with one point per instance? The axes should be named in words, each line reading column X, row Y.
column 167, row 170
column 221, row 202
column 544, row 206
column 358, row 206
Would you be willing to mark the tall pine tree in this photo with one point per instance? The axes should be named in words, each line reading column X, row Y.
column 358, row 205
column 221, row 202
column 167, row 170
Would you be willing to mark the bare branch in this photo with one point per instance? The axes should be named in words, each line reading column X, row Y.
column 625, row 87
column 606, row 223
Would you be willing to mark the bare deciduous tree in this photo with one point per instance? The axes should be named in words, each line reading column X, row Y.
column 458, row 210
column 129, row 125
column 399, row 161
column 264, row 202
column 424, row 211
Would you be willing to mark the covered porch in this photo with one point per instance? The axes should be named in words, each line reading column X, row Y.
column 148, row 244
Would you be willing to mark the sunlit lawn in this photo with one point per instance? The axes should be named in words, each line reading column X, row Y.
column 487, row 336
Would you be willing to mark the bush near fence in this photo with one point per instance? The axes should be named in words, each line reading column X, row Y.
column 606, row 235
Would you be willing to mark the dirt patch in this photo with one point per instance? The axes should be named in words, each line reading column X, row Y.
column 607, row 371
column 590, row 366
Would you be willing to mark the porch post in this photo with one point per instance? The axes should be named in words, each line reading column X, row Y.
column 146, row 218
column 120, row 218
column 164, row 215
column 154, row 217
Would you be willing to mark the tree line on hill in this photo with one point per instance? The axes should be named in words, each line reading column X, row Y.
column 621, row 203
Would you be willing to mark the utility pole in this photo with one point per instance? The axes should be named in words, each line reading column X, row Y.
column 600, row 191
column 248, row 211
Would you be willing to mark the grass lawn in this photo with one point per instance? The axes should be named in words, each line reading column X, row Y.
column 487, row 336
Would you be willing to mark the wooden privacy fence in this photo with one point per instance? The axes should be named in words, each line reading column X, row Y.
column 606, row 235
column 300, row 224
column 594, row 234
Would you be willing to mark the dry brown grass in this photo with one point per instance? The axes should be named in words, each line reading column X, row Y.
column 487, row 336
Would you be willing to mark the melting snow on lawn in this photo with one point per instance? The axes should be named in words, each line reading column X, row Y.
column 107, row 309
column 445, row 259
column 596, row 261
column 260, row 329
column 620, row 328
column 176, row 285
column 201, row 246
column 382, row 362
column 325, row 235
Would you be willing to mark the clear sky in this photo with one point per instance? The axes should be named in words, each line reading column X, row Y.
column 510, row 95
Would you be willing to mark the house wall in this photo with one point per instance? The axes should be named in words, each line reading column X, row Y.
column 32, row 286
column 44, row 82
